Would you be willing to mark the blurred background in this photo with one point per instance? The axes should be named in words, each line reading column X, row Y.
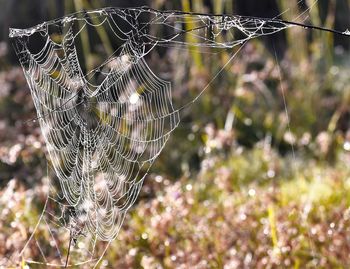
column 241, row 183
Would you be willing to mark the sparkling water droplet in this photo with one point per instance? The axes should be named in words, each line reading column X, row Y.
column 346, row 146
column 346, row 32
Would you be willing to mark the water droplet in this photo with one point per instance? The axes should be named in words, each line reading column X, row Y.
column 346, row 32
column 144, row 236
column 251, row 192
column 346, row 146
column 134, row 98
column 271, row 173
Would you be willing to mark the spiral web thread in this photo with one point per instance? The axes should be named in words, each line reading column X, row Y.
column 103, row 137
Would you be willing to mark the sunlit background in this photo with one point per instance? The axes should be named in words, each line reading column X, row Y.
column 257, row 175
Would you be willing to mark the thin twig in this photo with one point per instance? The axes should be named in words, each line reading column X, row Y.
column 69, row 246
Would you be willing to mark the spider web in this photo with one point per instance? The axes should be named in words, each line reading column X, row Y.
column 105, row 127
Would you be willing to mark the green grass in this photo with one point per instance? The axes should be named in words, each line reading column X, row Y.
column 231, row 214
column 298, row 219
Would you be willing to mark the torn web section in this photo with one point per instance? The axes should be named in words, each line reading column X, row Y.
column 199, row 37
column 176, row 29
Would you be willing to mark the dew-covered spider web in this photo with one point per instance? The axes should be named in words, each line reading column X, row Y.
column 105, row 123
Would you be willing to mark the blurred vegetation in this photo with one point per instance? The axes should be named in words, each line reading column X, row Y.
column 237, row 185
